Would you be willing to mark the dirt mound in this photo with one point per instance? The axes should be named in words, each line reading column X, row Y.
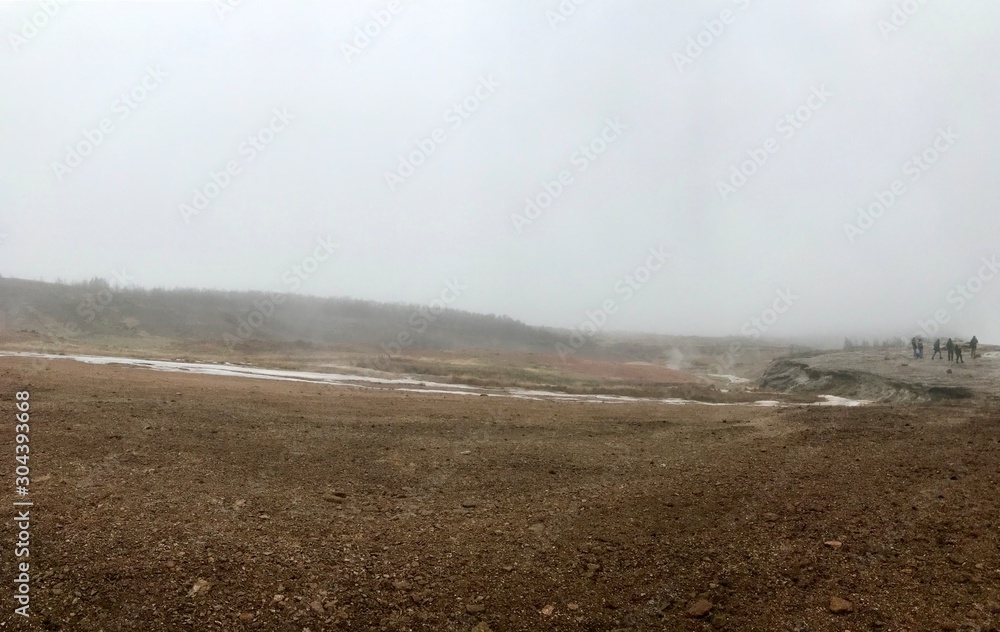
column 791, row 376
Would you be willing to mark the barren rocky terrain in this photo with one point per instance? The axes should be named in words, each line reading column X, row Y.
column 170, row 501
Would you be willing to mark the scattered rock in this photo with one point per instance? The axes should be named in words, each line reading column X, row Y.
column 840, row 606
column 317, row 607
column 770, row 517
column 200, row 587
column 834, row 544
column 333, row 498
column 474, row 608
column 402, row 585
column 470, row 504
column 573, row 606
column 699, row 608
column 246, row 616
column 482, row 626
column 548, row 610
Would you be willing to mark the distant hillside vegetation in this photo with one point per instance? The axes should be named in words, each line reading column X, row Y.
column 95, row 308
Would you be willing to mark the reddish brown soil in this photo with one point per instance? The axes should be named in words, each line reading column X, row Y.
column 632, row 371
column 305, row 507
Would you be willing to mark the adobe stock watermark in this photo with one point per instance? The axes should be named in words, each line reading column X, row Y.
column 901, row 14
column 123, row 106
column 94, row 304
column 33, row 25
column 698, row 43
column 248, row 150
column 225, row 7
column 961, row 295
column 454, row 117
column 293, row 278
column 582, row 158
column 366, row 33
column 626, row 288
column 913, row 170
column 87, row 310
column 787, row 127
column 756, row 326
column 563, row 12
column 419, row 321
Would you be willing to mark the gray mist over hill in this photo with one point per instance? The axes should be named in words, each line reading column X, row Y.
column 729, row 167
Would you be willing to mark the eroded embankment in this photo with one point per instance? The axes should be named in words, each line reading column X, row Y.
column 796, row 376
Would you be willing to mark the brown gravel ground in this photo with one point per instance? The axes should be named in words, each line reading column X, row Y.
column 300, row 507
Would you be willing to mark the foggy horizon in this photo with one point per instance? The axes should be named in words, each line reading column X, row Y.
column 680, row 170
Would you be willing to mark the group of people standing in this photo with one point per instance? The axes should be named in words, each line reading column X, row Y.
column 954, row 349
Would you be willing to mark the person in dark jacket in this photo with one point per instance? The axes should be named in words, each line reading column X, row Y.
column 951, row 350
column 972, row 347
column 958, row 353
column 937, row 349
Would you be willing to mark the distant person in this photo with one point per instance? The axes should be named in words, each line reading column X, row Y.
column 920, row 349
column 913, row 342
column 937, row 349
column 951, row 349
column 958, row 353
column 972, row 347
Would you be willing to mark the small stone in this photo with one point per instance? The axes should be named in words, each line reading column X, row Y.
column 200, row 587
column 548, row 610
column 834, row 544
column 482, row 626
column 246, row 616
column 771, row 517
column 573, row 606
column 840, row 606
column 699, row 608
column 466, row 452
column 402, row 585
column 470, row 504
column 474, row 608
column 331, row 498
column 316, row 606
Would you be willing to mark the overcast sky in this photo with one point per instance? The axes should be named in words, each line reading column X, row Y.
column 412, row 134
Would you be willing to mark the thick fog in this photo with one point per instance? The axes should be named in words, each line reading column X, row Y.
column 735, row 166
